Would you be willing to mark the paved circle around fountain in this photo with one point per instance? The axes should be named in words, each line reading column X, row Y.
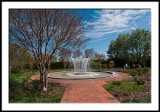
column 89, row 75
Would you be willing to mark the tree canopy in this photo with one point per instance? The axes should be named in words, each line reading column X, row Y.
column 131, row 48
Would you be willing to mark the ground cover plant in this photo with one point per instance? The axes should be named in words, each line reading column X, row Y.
column 23, row 91
column 136, row 89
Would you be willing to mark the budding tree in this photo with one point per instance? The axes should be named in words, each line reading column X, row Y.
column 44, row 32
column 65, row 57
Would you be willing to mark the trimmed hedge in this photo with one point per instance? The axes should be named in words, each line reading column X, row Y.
column 53, row 65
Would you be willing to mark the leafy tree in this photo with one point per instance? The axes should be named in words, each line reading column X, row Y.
column 140, row 43
column 19, row 58
column 131, row 48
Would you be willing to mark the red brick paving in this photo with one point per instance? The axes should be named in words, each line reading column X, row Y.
column 88, row 90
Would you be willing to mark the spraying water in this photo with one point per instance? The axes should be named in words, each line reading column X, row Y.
column 81, row 65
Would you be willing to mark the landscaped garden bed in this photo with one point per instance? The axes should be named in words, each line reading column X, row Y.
column 132, row 90
column 23, row 91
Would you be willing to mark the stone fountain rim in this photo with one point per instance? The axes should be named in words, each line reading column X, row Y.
column 112, row 74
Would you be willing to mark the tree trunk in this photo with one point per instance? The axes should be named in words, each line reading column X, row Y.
column 43, row 79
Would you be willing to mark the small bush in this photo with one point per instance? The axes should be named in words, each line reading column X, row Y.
column 36, row 84
column 95, row 65
column 139, row 81
column 117, row 82
column 146, row 70
column 111, row 63
column 133, row 72
column 15, row 70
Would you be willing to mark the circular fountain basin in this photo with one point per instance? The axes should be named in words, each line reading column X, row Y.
column 78, row 75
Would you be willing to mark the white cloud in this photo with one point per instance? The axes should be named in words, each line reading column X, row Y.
column 99, row 39
column 111, row 21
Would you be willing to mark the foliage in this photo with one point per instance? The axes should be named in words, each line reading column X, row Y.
column 125, row 86
column 57, row 65
column 111, row 63
column 19, row 92
column 99, row 57
column 133, row 72
column 95, row 65
column 134, row 48
column 19, row 58
column 139, row 81
column 146, row 100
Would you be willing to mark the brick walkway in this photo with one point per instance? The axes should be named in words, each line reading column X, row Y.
column 88, row 90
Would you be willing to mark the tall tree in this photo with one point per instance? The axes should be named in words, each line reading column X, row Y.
column 140, row 43
column 44, row 32
column 19, row 58
column 134, row 47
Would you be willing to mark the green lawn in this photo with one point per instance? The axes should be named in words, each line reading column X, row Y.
column 19, row 92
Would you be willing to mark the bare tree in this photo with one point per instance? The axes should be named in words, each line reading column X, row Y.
column 100, row 57
column 44, row 32
column 65, row 56
column 90, row 53
column 77, row 53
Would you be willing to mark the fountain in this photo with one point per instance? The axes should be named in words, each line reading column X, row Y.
column 81, row 66
column 81, row 71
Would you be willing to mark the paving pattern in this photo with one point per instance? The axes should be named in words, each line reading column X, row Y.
column 87, row 90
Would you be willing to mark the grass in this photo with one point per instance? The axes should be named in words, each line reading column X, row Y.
column 19, row 92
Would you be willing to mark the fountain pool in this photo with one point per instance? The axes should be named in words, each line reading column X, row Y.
column 81, row 66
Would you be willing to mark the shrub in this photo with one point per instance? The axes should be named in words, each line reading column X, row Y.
column 95, row 65
column 133, row 72
column 56, row 65
column 36, row 84
column 104, row 66
column 140, row 71
column 139, row 81
column 15, row 70
column 117, row 82
column 146, row 100
column 111, row 63
column 125, row 87
column 146, row 70
column 138, row 65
